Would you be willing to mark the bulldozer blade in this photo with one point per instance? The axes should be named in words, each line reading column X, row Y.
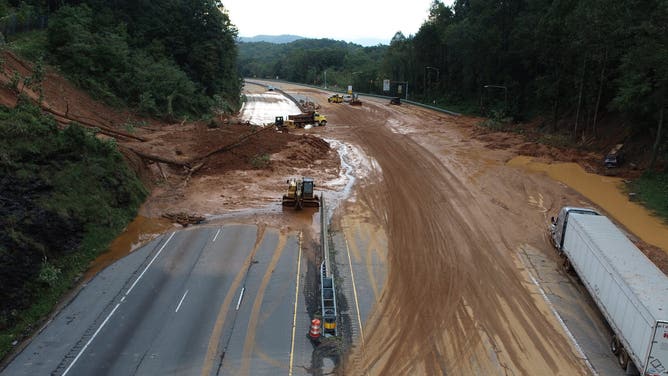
column 312, row 202
column 289, row 201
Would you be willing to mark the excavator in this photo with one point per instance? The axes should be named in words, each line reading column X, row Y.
column 300, row 194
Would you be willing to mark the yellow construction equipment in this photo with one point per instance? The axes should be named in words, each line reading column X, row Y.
column 301, row 193
column 336, row 98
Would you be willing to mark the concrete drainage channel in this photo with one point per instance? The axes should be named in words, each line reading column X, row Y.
column 327, row 288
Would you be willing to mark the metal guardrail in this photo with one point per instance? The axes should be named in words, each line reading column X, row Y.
column 290, row 97
column 327, row 288
column 360, row 93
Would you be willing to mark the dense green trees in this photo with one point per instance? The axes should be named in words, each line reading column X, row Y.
column 307, row 60
column 167, row 58
column 570, row 59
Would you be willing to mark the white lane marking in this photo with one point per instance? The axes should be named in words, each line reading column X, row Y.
column 241, row 296
column 181, row 301
column 563, row 325
column 149, row 264
column 357, row 306
column 116, row 307
column 91, row 339
column 294, row 316
column 216, row 237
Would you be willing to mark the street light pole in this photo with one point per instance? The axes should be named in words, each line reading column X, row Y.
column 438, row 76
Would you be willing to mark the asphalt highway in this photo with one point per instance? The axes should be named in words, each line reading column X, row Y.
column 211, row 300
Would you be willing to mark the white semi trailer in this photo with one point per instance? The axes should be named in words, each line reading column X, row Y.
column 630, row 291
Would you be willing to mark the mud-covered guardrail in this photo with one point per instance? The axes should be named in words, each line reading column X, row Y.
column 439, row 109
column 290, row 97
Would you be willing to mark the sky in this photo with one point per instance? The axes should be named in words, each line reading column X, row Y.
column 366, row 22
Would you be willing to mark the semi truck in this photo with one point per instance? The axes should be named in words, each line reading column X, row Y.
column 629, row 290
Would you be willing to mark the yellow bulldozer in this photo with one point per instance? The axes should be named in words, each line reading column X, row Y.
column 301, row 194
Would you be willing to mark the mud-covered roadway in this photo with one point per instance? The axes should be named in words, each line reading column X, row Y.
column 457, row 298
column 463, row 230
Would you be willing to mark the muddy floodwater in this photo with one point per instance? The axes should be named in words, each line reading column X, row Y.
column 139, row 231
column 606, row 192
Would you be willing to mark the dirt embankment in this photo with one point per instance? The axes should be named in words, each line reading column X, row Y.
column 190, row 167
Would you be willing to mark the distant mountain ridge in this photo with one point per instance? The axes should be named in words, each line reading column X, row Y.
column 277, row 39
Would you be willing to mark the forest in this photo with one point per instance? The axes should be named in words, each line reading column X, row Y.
column 165, row 58
column 313, row 61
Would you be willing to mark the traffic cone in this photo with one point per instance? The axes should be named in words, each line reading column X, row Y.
column 314, row 333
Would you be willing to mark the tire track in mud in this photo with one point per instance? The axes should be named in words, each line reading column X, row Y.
column 454, row 301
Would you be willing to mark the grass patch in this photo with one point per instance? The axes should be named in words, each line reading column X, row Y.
column 260, row 161
column 652, row 191
column 31, row 45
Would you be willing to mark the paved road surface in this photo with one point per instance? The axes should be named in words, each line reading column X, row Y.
column 174, row 307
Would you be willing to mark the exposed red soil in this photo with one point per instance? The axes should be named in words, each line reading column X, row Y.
column 457, row 298
column 195, row 175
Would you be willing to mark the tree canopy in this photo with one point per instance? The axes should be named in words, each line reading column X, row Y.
column 169, row 57
column 312, row 61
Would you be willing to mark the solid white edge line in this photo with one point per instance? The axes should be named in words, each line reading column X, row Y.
column 294, row 315
column 563, row 325
column 181, row 301
column 216, row 237
column 241, row 296
column 352, row 278
column 91, row 339
column 149, row 264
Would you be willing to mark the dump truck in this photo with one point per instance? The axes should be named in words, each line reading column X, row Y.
column 301, row 193
column 629, row 290
column 311, row 117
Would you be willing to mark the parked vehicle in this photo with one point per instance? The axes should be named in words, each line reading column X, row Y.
column 615, row 157
column 630, row 291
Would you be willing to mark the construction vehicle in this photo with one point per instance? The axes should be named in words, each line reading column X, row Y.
column 336, row 98
column 630, row 291
column 311, row 117
column 301, row 193
column 615, row 157
column 280, row 124
column 355, row 100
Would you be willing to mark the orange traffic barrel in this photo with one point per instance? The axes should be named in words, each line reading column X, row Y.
column 314, row 333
